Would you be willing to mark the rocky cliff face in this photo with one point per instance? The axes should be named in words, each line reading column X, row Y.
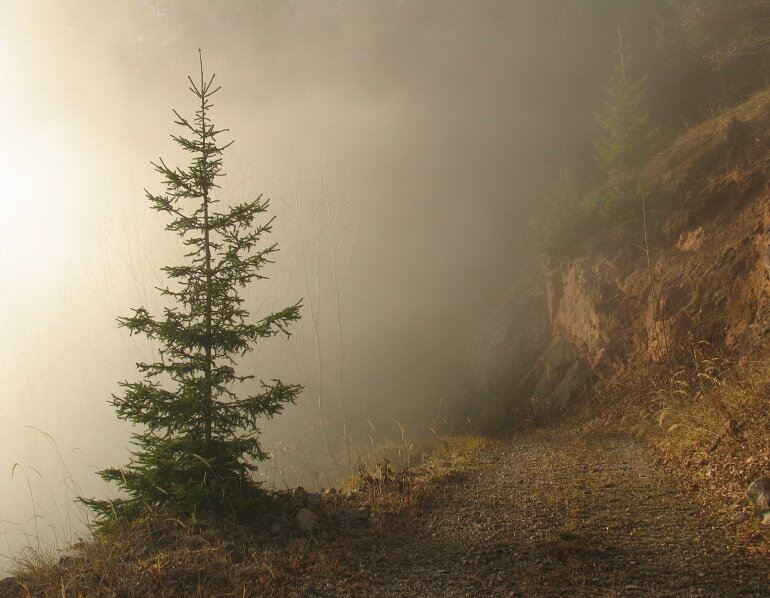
column 702, row 277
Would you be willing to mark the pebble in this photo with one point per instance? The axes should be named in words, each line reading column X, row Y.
column 307, row 520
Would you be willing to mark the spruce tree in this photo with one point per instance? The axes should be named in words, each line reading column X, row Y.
column 198, row 443
column 627, row 138
column 560, row 221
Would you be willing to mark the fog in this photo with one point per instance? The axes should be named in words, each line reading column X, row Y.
column 403, row 145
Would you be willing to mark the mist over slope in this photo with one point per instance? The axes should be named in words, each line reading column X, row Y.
column 669, row 322
column 404, row 146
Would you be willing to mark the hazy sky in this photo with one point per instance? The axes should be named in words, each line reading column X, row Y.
column 403, row 144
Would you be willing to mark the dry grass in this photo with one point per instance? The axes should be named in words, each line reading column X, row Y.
column 394, row 491
column 163, row 556
column 711, row 150
column 709, row 420
column 718, row 429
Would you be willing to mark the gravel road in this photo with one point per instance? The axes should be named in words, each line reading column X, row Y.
column 559, row 517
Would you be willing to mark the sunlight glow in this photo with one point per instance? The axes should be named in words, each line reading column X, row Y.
column 35, row 226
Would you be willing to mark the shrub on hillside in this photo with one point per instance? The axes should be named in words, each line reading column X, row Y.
column 561, row 222
column 627, row 139
column 614, row 208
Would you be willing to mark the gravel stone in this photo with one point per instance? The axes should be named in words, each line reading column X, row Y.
column 556, row 517
column 759, row 493
column 307, row 521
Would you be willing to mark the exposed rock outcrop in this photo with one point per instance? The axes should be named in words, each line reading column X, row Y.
column 508, row 346
column 702, row 276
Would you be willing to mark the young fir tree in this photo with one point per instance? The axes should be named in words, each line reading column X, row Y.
column 560, row 220
column 627, row 139
column 198, row 443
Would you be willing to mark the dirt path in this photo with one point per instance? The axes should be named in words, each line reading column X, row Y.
column 550, row 517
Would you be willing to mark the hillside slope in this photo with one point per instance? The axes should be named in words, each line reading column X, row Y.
column 698, row 286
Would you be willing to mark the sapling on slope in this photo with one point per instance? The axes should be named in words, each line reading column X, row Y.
column 198, row 442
